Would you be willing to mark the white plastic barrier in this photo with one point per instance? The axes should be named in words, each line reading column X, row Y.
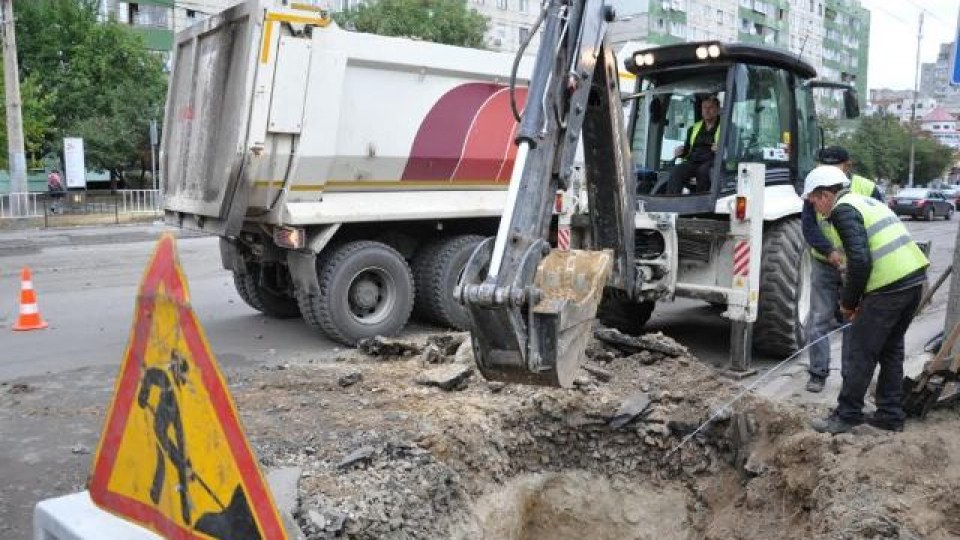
column 75, row 517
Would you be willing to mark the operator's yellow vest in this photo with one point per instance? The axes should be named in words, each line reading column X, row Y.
column 858, row 185
column 895, row 255
column 696, row 131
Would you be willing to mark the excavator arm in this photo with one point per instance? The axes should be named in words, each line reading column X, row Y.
column 531, row 307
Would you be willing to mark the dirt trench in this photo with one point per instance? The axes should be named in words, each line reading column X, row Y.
column 385, row 455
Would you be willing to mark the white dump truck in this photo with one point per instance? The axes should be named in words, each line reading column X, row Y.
column 349, row 176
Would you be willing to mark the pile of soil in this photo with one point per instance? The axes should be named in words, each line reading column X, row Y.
column 387, row 450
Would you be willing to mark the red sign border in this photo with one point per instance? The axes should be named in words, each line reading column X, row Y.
column 165, row 269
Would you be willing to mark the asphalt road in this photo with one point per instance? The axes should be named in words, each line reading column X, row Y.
column 86, row 281
column 87, row 285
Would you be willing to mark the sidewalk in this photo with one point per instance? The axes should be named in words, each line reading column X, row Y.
column 33, row 239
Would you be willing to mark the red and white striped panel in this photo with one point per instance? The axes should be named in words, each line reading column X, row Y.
column 741, row 258
column 563, row 238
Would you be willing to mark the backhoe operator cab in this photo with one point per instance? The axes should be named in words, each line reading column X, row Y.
column 767, row 116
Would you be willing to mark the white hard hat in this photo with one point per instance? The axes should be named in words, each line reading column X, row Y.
column 823, row 176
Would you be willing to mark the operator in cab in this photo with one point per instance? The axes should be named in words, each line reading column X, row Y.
column 698, row 150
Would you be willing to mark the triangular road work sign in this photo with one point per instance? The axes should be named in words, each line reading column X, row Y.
column 172, row 456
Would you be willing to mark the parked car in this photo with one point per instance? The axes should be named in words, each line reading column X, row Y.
column 921, row 203
column 952, row 194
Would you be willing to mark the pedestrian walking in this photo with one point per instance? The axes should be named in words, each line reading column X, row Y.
column 885, row 274
column 55, row 190
column 828, row 260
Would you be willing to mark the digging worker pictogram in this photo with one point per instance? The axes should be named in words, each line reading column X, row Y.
column 166, row 417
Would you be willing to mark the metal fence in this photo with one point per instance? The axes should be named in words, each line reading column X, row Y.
column 90, row 205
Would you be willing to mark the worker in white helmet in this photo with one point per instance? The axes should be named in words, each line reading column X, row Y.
column 885, row 274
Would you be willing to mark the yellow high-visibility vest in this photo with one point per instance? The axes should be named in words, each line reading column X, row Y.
column 895, row 255
column 695, row 130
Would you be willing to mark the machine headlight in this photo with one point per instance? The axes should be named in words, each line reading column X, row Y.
column 702, row 53
column 713, row 51
column 648, row 59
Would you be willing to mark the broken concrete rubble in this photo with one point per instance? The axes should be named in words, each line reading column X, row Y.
column 450, row 377
column 350, row 379
column 651, row 343
column 447, row 344
column 436, row 462
column 358, row 456
column 380, row 346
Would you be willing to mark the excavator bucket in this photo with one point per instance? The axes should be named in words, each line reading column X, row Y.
column 568, row 286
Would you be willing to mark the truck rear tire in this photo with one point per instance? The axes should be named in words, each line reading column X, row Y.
column 437, row 267
column 624, row 314
column 366, row 290
column 262, row 299
column 784, row 301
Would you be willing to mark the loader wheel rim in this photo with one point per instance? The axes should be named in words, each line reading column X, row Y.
column 371, row 295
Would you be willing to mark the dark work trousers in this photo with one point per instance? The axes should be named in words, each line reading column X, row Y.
column 687, row 170
column 876, row 337
column 824, row 301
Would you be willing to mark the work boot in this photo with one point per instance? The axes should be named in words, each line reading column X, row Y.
column 833, row 424
column 887, row 425
column 816, row 384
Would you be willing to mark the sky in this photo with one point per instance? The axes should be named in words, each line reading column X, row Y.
column 893, row 38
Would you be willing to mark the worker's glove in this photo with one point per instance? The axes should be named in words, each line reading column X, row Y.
column 849, row 314
column 835, row 259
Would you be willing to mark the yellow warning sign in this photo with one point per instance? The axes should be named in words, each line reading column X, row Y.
column 172, row 455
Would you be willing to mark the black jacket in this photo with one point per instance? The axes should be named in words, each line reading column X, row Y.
column 849, row 225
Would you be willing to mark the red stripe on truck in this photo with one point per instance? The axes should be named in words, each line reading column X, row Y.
column 468, row 134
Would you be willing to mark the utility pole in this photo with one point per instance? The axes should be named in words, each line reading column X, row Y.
column 913, row 112
column 11, row 82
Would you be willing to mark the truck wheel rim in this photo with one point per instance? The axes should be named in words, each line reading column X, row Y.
column 371, row 295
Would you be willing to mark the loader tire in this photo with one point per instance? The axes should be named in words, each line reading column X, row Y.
column 366, row 290
column 624, row 314
column 262, row 299
column 437, row 267
column 784, row 301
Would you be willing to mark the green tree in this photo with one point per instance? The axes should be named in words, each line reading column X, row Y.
column 440, row 21
column 97, row 79
column 880, row 148
column 37, row 122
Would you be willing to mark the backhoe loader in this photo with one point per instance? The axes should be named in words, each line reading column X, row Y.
column 735, row 243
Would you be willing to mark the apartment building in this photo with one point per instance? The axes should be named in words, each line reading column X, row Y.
column 833, row 35
column 158, row 20
column 935, row 80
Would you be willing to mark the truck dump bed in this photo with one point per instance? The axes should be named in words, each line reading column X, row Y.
column 277, row 116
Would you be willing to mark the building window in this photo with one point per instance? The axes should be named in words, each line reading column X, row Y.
column 660, row 24
column 524, row 32
column 502, row 4
column 677, row 29
column 719, row 16
column 524, row 6
column 191, row 14
column 148, row 15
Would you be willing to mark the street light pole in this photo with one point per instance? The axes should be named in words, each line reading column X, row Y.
column 913, row 112
column 11, row 85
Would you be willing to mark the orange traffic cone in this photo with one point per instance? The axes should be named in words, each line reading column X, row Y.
column 29, row 318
